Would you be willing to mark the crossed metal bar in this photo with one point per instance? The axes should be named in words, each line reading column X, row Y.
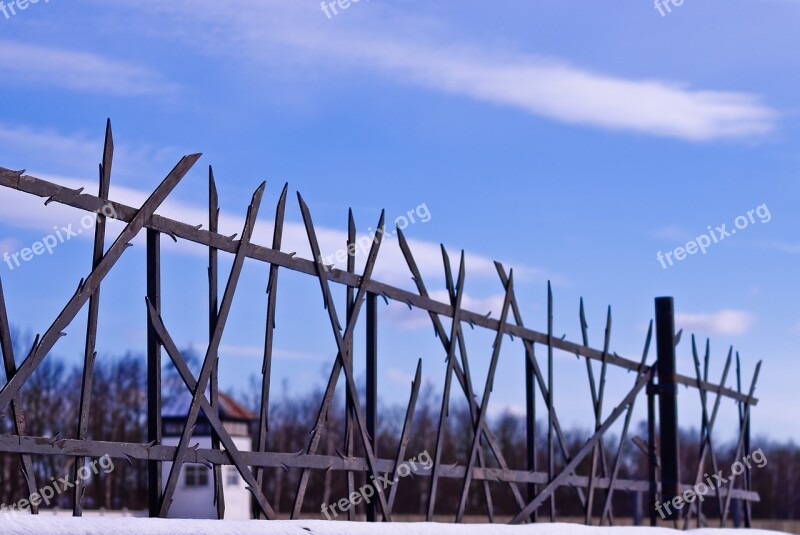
column 740, row 443
column 213, row 317
column 485, row 401
column 269, row 335
column 607, row 513
column 455, row 327
column 91, row 325
column 340, row 359
column 706, row 446
column 462, row 375
column 88, row 286
column 16, row 413
column 569, row 468
column 405, row 434
column 209, row 362
column 231, row 453
column 597, row 404
column 545, row 389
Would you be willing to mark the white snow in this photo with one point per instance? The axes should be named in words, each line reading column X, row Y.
column 21, row 524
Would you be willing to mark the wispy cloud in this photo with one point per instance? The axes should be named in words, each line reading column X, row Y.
column 421, row 52
column 8, row 246
column 76, row 153
column 727, row 322
column 283, row 354
column 786, row 247
column 390, row 266
column 29, row 64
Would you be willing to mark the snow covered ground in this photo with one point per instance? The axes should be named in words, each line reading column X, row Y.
column 58, row 525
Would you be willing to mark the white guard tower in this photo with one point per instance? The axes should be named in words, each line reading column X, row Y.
column 194, row 495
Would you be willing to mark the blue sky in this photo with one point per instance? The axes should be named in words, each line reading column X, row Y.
column 572, row 143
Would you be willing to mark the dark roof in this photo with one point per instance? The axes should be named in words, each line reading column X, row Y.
column 229, row 409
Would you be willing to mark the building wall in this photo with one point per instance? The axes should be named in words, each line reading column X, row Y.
column 198, row 501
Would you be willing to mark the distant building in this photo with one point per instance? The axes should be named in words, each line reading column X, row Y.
column 194, row 495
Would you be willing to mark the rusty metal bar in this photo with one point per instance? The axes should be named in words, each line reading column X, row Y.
column 739, row 445
column 652, row 456
column 607, row 506
column 211, row 356
column 485, row 401
column 231, row 453
column 213, row 315
column 470, row 393
column 706, row 445
column 570, row 467
column 340, row 344
column 744, row 424
column 551, row 457
column 444, row 411
column 405, row 434
column 88, row 286
column 322, row 272
column 66, row 196
column 269, row 336
column 530, row 424
column 146, row 452
column 348, row 413
column 372, row 384
column 17, row 414
column 91, row 322
column 598, row 411
column 463, row 376
column 562, row 442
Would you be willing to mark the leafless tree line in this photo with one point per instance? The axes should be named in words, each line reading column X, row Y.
column 50, row 402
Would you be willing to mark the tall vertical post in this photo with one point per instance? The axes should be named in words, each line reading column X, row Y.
column 652, row 456
column 530, row 424
column 667, row 398
column 372, row 384
column 551, row 454
column 350, row 297
column 153, row 371
column 213, row 315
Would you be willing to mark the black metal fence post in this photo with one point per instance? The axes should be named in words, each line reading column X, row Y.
column 153, row 371
column 667, row 398
column 372, row 384
column 530, row 424
column 652, row 456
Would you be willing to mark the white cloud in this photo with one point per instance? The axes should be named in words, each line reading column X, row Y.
column 728, row 322
column 283, row 354
column 8, row 246
column 28, row 64
column 419, row 52
column 786, row 247
column 79, row 153
column 26, row 211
